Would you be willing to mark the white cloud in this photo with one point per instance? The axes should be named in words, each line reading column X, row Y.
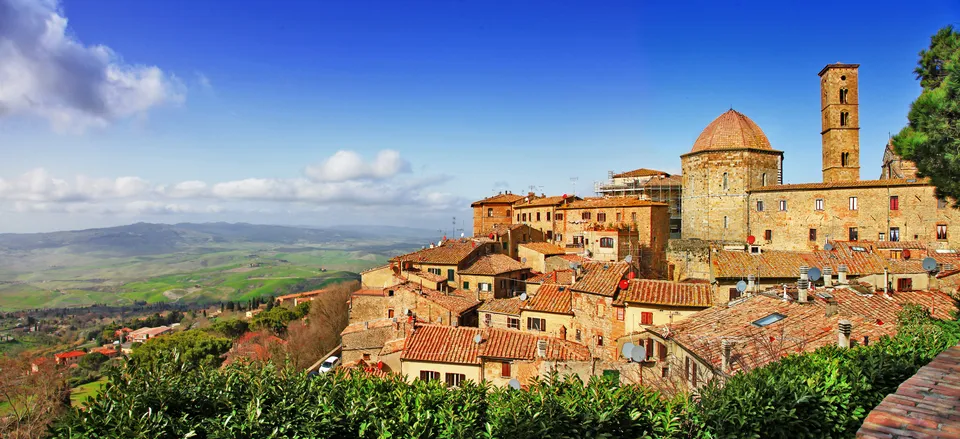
column 348, row 165
column 39, row 186
column 204, row 81
column 47, row 72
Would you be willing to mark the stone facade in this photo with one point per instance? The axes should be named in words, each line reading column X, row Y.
column 492, row 212
column 840, row 119
column 596, row 324
column 540, row 214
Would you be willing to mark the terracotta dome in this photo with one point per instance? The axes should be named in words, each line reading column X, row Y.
column 732, row 130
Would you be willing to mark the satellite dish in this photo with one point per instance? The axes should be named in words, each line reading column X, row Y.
column 828, row 246
column 573, row 265
column 929, row 264
column 523, row 296
column 814, row 274
column 523, row 259
column 514, row 384
column 628, row 259
column 638, row 354
column 477, row 338
column 439, row 243
column 751, row 239
column 741, row 286
column 627, row 349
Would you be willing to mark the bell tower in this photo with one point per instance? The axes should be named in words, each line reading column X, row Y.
column 840, row 122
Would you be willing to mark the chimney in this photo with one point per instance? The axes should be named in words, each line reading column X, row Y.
column 831, row 308
column 542, row 348
column 827, row 277
column 803, row 284
column 842, row 275
column 750, row 283
column 727, row 348
column 845, row 327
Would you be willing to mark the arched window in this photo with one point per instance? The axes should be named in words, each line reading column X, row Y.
column 843, row 96
column 763, row 179
column 844, row 118
column 725, row 184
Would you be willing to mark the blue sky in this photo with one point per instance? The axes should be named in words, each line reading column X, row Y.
column 214, row 111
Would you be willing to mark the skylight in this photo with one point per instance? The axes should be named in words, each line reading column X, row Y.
column 858, row 249
column 769, row 320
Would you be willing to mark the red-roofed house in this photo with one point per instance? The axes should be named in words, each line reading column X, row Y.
column 500, row 313
column 453, row 355
column 143, row 334
column 597, row 323
column 549, row 312
column 494, row 276
column 67, row 358
column 494, row 211
column 298, row 298
column 647, row 302
column 254, row 346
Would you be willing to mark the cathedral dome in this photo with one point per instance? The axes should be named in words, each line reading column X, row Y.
column 732, row 130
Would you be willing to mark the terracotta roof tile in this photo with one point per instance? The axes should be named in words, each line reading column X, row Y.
column 451, row 252
column 457, row 301
column 392, row 346
column 298, row 295
column 786, row 264
column 546, row 201
column 493, row 264
column 642, row 172
column 923, row 406
column 731, row 130
column 560, row 277
column 593, row 203
column 545, row 248
column 509, row 305
column 499, row 198
column 71, row 354
column 805, row 327
column 601, row 278
column 673, row 180
column 456, row 345
column 551, row 298
column 842, row 184
column 503, row 229
column 363, row 326
column 662, row 292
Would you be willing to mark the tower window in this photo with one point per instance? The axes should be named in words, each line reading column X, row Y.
column 843, row 77
column 853, row 203
column 853, row 233
column 894, row 234
column 489, row 211
column 763, row 179
column 843, row 96
column 844, row 118
column 783, row 205
column 759, row 205
column 844, row 157
column 818, row 204
column 725, row 183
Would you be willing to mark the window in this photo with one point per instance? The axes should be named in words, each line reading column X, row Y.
column 525, row 216
column 818, row 204
column 941, row 232
column 941, row 203
column 905, row 284
column 734, row 294
column 844, row 158
column 450, row 274
column 894, row 234
column 585, row 216
column 881, row 236
column 535, row 324
column 783, row 205
column 513, row 322
column 844, row 119
column 853, row 203
column 854, row 234
column 646, row 318
column 489, row 211
column 548, row 216
column 466, row 285
column 768, row 235
column 507, row 213
column 894, row 202
column 843, row 96
column 504, row 369
column 725, row 222
column 813, row 234
column 662, row 351
column 759, row 205
column 606, row 242
column 559, row 216
column 620, row 313
column 549, row 235
column 694, row 374
column 618, row 217
column 390, row 313
column 601, row 217
column 518, row 217
column 769, row 320
column 435, row 271
column 725, row 182
column 578, row 335
column 686, row 368
column 429, row 375
column 487, row 319
column 599, row 340
column 485, row 286
column 601, row 310
column 649, row 349
column 763, row 179
column 664, row 371
column 633, row 216
column 454, row 379
column 390, row 293
column 505, row 244
column 366, row 357
column 538, row 216
column 896, row 254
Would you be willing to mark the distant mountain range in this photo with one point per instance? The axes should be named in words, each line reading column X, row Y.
column 148, row 239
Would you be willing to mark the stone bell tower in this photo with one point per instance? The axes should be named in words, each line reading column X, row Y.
column 840, row 119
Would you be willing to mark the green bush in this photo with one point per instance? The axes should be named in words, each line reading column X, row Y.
column 191, row 349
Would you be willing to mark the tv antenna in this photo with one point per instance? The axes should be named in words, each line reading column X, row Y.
column 574, row 181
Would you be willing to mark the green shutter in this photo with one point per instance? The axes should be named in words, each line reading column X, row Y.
column 466, row 285
column 450, row 275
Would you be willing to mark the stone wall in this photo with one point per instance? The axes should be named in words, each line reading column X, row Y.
column 487, row 217
column 594, row 317
column 688, row 259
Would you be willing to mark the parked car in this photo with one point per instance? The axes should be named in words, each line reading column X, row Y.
column 329, row 364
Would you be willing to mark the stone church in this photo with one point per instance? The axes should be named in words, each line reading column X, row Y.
column 733, row 187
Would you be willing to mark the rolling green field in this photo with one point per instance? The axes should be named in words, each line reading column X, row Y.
column 79, row 394
column 229, row 272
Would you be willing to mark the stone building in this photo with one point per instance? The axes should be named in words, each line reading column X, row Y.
column 649, row 220
column 541, row 214
column 895, row 167
column 597, row 323
column 493, row 276
column 549, row 312
column 493, row 211
column 648, row 302
column 500, row 313
column 647, row 184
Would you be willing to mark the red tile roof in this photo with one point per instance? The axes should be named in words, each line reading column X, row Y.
column 544, row 248
column 671, row 181
column 551, row 298
column 493, row 264
column 560, row 277
column 926, row 405
column 546, row 201
column 451, row 252
column 498, row 199
column 299, row 295
column 786, row 264
column 642, row 172
column 363, row 326
column 574, row 258
column 70, row 354
column 456, row 345
column 842, row 185
column 426, row 275
column 253, row 346
column 457, row 301
column 501, row 306
column 601, row 278
column 663, row 292
column 593, row 203
column 369, row 292
column 731, row 130
column 805, row 327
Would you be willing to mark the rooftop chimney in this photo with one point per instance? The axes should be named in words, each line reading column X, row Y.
column 827, row 277
column 750, row 283
column 542, row 348
column 845, row 327
column 803, row 284
column 727, row 348
column 842, row 275
column 831, row 308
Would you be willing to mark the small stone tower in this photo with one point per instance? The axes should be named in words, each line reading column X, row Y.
column 840, row 119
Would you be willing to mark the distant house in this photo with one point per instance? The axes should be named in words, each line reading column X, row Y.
column 68, row 358
column 108, row 350
column 253, row 346
column 143, row 334
column 298, row 298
